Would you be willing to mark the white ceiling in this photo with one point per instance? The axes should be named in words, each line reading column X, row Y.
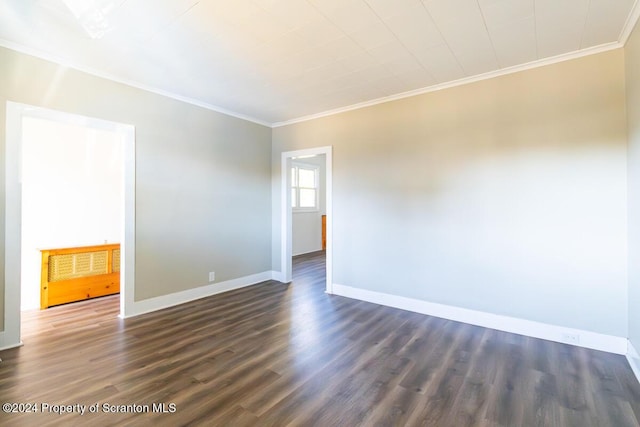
column 274, row 61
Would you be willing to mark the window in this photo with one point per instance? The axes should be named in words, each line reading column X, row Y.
column 304, row 188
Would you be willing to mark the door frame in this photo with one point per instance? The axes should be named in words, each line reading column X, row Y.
column 286, row 231
column 11, row 337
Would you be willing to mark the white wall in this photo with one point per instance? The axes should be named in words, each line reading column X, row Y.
column 506, row 196
column 307, row 226
column 71, row 193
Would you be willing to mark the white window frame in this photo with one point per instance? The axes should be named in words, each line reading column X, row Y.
column 296, row 188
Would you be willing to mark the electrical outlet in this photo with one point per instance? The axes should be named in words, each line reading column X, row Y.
column 212, row 276
column 571, row 338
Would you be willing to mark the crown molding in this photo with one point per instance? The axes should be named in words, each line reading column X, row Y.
column 65, row 63
column 466, row 80
column 633, row 18
column 630, row 24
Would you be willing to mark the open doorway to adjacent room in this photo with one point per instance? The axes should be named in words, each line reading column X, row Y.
column 69, row 197
column 308, row 214
column 306, row 221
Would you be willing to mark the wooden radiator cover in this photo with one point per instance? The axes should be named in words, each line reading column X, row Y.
column 75, row 274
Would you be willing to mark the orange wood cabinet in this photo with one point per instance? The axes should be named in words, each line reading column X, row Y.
column 75, row 274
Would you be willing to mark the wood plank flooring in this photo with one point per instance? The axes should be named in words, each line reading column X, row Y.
column 280, row 355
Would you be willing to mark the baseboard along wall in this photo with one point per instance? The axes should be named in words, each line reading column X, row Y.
column 578, row 337
column 634, row 359
column 166, row 301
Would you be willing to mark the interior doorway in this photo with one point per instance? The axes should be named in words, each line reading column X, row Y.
column 308, row 196
column 71, row 195
column 286, row 221
column 19, row 116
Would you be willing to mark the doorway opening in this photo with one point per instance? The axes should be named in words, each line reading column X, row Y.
column 21, row 121
column 292, row 194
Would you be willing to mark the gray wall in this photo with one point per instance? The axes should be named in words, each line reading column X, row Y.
column 632, row 61
column 506, row 196
column 203, row 200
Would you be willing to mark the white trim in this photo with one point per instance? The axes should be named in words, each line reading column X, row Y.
column 166, row 301
column 60, row 61
column 634, row 359
column 286, row 245
column 466, row 80
column 278, row 276
column 631, row 21
column 13, row 208
column 630, row 24
column 286, row 242
column 329, row 218
column 9, row 347
column 10, row 337
column 587, row 339
column 128, row 250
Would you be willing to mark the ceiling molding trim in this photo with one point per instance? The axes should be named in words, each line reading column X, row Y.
column 633, row 18
column 631, row 23
column 466, row 80
column 65, row 63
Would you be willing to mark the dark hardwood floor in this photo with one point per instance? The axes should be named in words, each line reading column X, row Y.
column 277, row 355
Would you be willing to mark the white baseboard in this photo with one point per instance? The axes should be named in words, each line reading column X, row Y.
column 10, row 337
column 278, row 275
column 582, row 338
column 166, row 301
column 634, row 359
column 8, row 346
column 308, row 252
